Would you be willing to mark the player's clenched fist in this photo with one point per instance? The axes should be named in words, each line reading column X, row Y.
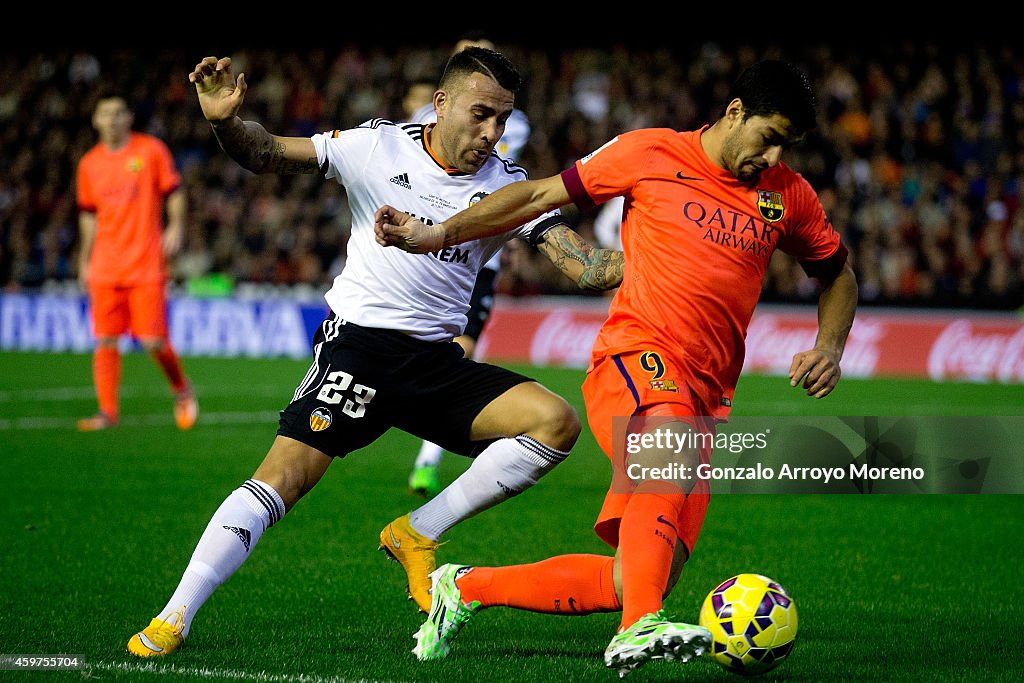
column 220, row 93
column 394, row 228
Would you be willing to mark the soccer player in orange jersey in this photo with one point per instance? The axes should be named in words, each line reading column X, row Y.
column 125, row 183
column 704, row 211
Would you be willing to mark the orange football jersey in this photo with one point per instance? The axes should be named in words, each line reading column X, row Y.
column 126, row 189
column 697, row 243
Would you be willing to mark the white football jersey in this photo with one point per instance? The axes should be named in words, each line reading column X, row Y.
column 425, row 296
column 510, row 146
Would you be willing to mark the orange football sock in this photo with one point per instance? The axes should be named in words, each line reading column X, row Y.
column 168, row 361
column 106, row 375
column 647, row 541
column 565, row 584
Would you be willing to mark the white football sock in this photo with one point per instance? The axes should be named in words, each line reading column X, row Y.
column 429, row 455
column 230, row 536
column 504, row 469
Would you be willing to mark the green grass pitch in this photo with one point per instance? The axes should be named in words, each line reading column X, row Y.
column 97, row 528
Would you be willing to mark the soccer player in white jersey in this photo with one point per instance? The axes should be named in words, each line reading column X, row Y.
column 384, row 357
column 425, row 478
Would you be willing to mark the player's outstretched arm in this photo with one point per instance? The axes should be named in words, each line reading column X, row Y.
column 511, row 206
column 589, row 267
column 247, row 142
column 817, row 369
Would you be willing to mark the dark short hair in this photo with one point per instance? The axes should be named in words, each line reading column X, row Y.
column 773, row 86
column 104, row 94
column 480, row 59
column 107, row 92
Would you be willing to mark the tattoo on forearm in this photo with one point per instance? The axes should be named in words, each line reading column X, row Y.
column 605, row 272
column 563, row 246
column 256, row 150
column 592, row 269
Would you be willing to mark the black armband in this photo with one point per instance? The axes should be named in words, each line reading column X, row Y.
column 542, row 228
column 827, row 269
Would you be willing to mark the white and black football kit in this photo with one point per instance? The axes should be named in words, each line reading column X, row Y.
column 510, row 146
column 385, row 356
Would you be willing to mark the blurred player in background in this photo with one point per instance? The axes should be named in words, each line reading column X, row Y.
column 125, row 184
column 425, row 478
column 385, row 355
column 608, row 224
column 704, row 212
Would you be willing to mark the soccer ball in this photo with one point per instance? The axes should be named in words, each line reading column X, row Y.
column 753, row 623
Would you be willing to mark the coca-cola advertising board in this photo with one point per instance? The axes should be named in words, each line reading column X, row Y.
column 941, row 345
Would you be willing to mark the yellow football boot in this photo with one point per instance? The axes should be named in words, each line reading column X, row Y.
column 159, row 638
column 415, row 552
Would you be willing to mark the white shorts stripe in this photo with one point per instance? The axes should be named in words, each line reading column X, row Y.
column 331, row 328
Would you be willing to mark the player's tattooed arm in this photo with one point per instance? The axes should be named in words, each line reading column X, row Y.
column 221, row 94
column 589, row 267
column 256, row 150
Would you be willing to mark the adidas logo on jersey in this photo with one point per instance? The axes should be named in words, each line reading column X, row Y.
column 402, row 180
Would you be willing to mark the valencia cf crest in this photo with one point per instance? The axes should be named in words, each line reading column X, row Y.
column 769, row 205
column 477, row 197
column 320, row 419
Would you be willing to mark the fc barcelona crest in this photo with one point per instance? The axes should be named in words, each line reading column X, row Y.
column 769, row 205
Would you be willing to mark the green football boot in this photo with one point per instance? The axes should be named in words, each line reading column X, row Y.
column 425, row 481
column 654, row 637
column 448, row 614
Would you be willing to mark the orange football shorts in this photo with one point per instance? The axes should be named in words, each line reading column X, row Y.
column 635, row 391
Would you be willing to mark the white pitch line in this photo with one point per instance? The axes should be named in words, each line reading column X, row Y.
column 233, row 674
column 162, row 419
column 137, row 391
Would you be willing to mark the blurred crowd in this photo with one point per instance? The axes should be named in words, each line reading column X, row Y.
column 918, row 155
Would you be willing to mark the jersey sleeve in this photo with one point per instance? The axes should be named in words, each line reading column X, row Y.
column 342, row 154
column 812, row 239
column 611, row 170
column 168, row 178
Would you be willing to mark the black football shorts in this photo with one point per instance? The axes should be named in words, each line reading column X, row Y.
column 364, row 381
